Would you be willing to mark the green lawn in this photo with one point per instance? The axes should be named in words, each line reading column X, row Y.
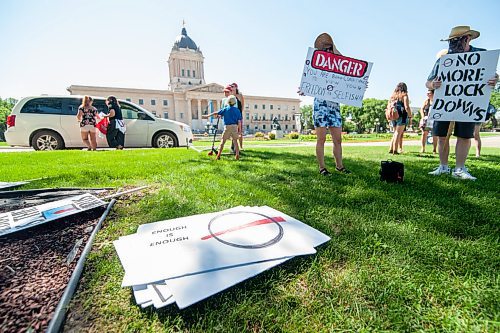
column 3, row 143
column 419, row 256
column 207, row 141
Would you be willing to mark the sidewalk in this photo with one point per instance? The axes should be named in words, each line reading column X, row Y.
column 490, row 141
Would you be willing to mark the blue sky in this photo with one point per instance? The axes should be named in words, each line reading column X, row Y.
column 48, row 45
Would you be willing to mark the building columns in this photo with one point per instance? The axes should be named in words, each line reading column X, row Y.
column 189, row 113
column 199, row 109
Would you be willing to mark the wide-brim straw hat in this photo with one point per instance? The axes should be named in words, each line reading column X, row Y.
column 460, row 31
column 325, row 39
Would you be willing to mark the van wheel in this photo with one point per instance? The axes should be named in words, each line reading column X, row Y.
column 47, row 140
column 165, row 140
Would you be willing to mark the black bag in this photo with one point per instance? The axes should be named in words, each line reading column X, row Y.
column 391, row 171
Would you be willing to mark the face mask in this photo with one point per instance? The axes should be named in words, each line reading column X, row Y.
column 457, row 45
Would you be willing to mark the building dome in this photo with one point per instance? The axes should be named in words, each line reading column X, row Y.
column 183, row 41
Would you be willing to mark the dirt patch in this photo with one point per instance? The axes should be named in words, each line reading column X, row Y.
column 35, row 267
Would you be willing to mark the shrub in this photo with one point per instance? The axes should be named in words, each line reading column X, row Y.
column 293, row 135
column 272, row 136
column 308, row 137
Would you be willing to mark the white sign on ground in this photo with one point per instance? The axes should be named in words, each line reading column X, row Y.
column 29, row 217
column 190, row 289
column 335, row 77
column 464, row 94
column 197, row 244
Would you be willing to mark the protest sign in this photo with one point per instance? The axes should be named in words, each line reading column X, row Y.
column 200, row 243
column 32, row 216
column 464, row 94
column 190, row 289
column 335, row 77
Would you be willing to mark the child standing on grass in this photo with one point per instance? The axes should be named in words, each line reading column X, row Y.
column 231, row 116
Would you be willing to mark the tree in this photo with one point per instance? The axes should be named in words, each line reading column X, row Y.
column 365, row 116
column 6, row 106
column 306, row 117
column 495, row 98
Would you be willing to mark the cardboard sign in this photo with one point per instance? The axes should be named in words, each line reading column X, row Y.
column 190, row 289
column 334, row 77
column 197, row 244
column 464, row 94
column 206, row 242
column 32, row 216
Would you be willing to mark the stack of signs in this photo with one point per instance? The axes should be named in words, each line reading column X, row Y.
column 186, row 260
column 334, row 77
column 29, row 217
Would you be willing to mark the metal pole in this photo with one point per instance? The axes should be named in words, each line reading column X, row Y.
column 55, row 324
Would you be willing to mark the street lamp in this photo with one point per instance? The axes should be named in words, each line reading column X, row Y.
column 377, row 124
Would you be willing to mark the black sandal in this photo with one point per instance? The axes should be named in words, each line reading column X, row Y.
column 342, row 170
column 324, row 172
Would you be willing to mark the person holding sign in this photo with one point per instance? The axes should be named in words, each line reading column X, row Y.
column 326, row 115
column 459, row 42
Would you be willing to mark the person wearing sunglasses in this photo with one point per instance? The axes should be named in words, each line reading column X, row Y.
column 458, row 42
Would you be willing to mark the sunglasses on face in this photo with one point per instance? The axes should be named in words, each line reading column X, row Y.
column 328, row 49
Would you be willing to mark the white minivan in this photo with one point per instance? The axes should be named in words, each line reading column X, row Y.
column 49, row 122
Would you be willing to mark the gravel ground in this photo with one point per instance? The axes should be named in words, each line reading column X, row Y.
column 35, row 267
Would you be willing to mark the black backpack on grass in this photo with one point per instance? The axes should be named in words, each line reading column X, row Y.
column 392, row 172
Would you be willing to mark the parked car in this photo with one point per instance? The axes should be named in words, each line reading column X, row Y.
column 49, row 122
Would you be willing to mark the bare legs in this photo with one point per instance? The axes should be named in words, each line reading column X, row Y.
column 85, row 139
column 89, row 139
column 477, row 140
column 425, row 134
column 443, row 149
column 241, row 141
column 320, row 146
column 461, row 151
column 336, row 133
column 397, row 139
column 236, row 148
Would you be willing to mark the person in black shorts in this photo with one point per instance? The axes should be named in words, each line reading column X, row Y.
column 459, row 42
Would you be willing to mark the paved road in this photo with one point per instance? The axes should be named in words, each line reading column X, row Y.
column 490, row 141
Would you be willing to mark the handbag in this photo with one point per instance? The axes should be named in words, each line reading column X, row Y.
column 392, row 172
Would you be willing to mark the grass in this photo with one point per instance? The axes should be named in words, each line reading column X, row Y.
column 420, row 256
column 382, row 137
column 3, row 143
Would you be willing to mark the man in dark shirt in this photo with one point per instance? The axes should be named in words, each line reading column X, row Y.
column 459, row 42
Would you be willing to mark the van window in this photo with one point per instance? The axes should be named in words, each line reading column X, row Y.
column 43, row 106
column 100, row 105
column 131, row 112
column 70, row 106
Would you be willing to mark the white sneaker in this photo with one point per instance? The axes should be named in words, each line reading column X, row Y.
column 462, row 173
column 440, row 170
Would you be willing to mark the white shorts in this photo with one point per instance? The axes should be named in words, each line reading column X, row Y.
column 88, row 128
